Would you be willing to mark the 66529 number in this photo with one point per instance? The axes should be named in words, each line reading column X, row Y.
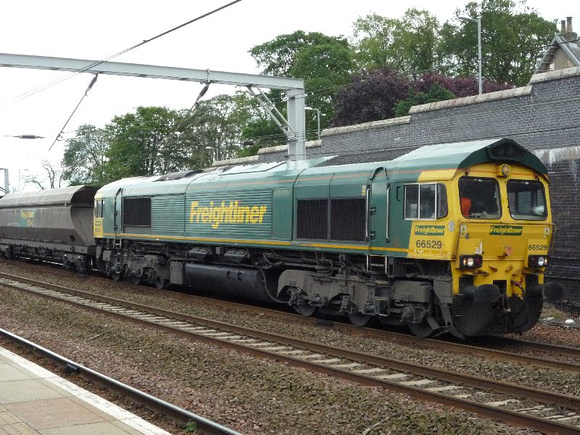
column 429, row 244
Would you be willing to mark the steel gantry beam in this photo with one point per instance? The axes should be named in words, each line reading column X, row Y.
column 294, row 126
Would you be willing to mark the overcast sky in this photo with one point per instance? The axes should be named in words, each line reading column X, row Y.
column 97, row 30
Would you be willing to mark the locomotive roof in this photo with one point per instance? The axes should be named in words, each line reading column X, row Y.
column 446, row 159
column 461, row 155
column 66, row 195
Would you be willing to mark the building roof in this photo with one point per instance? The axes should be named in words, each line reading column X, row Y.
column 566, row 42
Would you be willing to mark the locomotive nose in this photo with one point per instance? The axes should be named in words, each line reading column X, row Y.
column 482, row 294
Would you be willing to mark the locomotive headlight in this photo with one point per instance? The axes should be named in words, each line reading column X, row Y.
column 470, row 261
column 535, row 261
column 504, row 170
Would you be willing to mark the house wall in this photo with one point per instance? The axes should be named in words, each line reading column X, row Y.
column 543, row 116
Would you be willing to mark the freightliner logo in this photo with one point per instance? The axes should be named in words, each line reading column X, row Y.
column 233, row 213
column 430, row 230
column 506, row 230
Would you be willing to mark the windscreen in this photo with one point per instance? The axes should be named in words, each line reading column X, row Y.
column 479, row 198
column 527, row 200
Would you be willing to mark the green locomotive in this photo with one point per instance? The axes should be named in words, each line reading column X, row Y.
column 447, row 238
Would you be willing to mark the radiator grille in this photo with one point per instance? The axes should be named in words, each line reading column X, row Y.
column 312, row 219
column 348, row 219
column 137, row 212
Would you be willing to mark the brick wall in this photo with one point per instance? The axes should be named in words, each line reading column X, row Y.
column 543, row 117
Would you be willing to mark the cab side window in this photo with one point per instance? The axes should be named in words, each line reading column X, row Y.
column 425, row 201
column 100, row 208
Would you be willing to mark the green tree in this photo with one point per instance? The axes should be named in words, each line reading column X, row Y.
column 214, row 130
column 144, row 143
column 436, row 93
column 85, row 157
column 514, row 37
column 417, row 38
column 408, row 45
column 324, row 62
column 373, row 38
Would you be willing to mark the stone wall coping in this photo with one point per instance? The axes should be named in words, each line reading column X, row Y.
column 473, row 99
column 555, row 75
column 282, row 148
column 238, row 161
column 366, row 126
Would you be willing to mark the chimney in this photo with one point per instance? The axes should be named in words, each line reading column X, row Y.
column 566, row 30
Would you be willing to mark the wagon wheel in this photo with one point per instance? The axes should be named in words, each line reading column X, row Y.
column 305, row 309
column 160, row 283
column 135, row 280
column 422, row 329
column 359, row 319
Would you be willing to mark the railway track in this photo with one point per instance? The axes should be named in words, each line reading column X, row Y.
column 506, row 349
column 538, row 354
column 513, row 404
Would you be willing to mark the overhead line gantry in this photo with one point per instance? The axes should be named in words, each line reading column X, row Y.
column 294, row 126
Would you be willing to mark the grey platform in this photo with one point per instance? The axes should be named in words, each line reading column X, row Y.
column 34, row 400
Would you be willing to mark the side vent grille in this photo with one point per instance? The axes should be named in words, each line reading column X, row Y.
column 347, row 220
column 137, row 212
column 312, row 219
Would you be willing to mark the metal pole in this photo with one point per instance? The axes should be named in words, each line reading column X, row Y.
column 318, row 118
column 479, row 59
column 6, row 181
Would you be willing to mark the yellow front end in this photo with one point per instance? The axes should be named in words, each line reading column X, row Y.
column 502, row 248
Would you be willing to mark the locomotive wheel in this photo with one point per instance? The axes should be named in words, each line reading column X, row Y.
column 422, row 329
column 160, row 283
column 135, row 280
column 360, row 320
column 116, row 276
column 305, row 310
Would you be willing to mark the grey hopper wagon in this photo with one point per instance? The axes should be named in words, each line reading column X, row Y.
column 53, row 225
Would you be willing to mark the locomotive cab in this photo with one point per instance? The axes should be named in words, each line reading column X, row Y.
column 502, row 248
column 493, row 225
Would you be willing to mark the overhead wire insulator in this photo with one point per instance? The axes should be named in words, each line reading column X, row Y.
column 28, row 136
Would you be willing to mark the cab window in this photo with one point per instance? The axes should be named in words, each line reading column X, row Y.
column 426, row 201
column 99, row 208
column 479, row 198
column 527, row 200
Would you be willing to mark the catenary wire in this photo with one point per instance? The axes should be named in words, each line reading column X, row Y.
column 59, row 135
column 93, row 64
column 28, row 94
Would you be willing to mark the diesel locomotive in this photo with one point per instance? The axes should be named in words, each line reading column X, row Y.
column 449, row 238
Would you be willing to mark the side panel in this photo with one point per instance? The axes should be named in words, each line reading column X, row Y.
column 282, row 212
column 399, row 228
column 168, row 215
column 229, row 215
column 48, row 224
